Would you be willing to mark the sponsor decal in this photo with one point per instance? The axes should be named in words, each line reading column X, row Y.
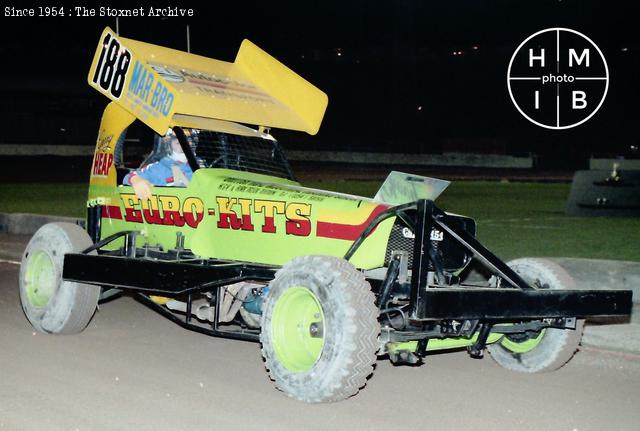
column 135, row 84
column 103, row 158
column 436, row 235
column 236, row 213
column 407, row 233
column 167, row 73
column 149, row 91
column 161, row 209
column 233, row 213
column 217, row 85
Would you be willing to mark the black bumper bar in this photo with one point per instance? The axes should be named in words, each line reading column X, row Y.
column 516, row 304
column 153, row 276
column 171, row 278
column 515, row 300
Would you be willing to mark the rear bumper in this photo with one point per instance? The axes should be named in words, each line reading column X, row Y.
column 520, row 304
column 514, row 300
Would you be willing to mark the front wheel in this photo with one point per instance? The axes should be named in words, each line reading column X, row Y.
column 319, row 329
column 550, row 348
column 51, row 304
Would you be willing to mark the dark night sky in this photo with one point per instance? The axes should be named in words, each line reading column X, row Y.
column 395, row 56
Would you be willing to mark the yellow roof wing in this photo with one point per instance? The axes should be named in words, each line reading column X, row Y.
column 154, row 83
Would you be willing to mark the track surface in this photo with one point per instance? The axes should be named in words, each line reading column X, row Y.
column 133, row 370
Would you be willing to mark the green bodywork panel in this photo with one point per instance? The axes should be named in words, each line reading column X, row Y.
column 242, row 216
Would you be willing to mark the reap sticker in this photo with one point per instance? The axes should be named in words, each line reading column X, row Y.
column 103, row 158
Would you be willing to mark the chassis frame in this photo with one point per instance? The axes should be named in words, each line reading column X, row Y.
column 436, row 306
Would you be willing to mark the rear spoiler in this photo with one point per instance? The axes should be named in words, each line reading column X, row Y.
column 153, row 83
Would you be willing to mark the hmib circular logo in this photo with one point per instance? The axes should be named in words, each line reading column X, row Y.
column 558, row 78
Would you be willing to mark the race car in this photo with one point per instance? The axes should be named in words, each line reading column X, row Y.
column 325, row 282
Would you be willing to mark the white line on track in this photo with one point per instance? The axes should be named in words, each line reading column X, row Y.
column 13, row 262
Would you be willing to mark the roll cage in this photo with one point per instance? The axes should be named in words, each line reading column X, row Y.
column 207, row 149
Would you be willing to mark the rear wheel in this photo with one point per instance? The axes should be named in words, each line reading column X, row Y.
column 545, row 350
column 319, row 329
column 51, row 304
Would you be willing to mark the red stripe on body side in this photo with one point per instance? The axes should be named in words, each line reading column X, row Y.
column 112, row 212
column 348, row 232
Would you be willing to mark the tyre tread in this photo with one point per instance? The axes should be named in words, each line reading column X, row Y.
column 360, row 337
column 80, row 300
column 565, row 343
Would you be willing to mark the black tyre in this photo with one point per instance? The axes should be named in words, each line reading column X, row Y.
column 50, row 304
column 319, row 329
column 548, row 349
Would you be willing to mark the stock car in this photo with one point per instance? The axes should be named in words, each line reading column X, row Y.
column 325, row 282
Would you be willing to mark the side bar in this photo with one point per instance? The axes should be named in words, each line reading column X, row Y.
column 236, row 335
column 511, row 304
column 151, row 276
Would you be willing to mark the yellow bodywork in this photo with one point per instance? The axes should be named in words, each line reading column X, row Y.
column 164, row 87
column 220, row 211
column 153, row 83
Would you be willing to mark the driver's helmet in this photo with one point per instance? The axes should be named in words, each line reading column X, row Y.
column 165, row 146
column 172, row 148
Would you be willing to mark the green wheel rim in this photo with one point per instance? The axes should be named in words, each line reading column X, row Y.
column 522, row 346
column 297, row 327
column 40, row 279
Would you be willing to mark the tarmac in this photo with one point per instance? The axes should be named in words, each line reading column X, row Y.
column 619, row 335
